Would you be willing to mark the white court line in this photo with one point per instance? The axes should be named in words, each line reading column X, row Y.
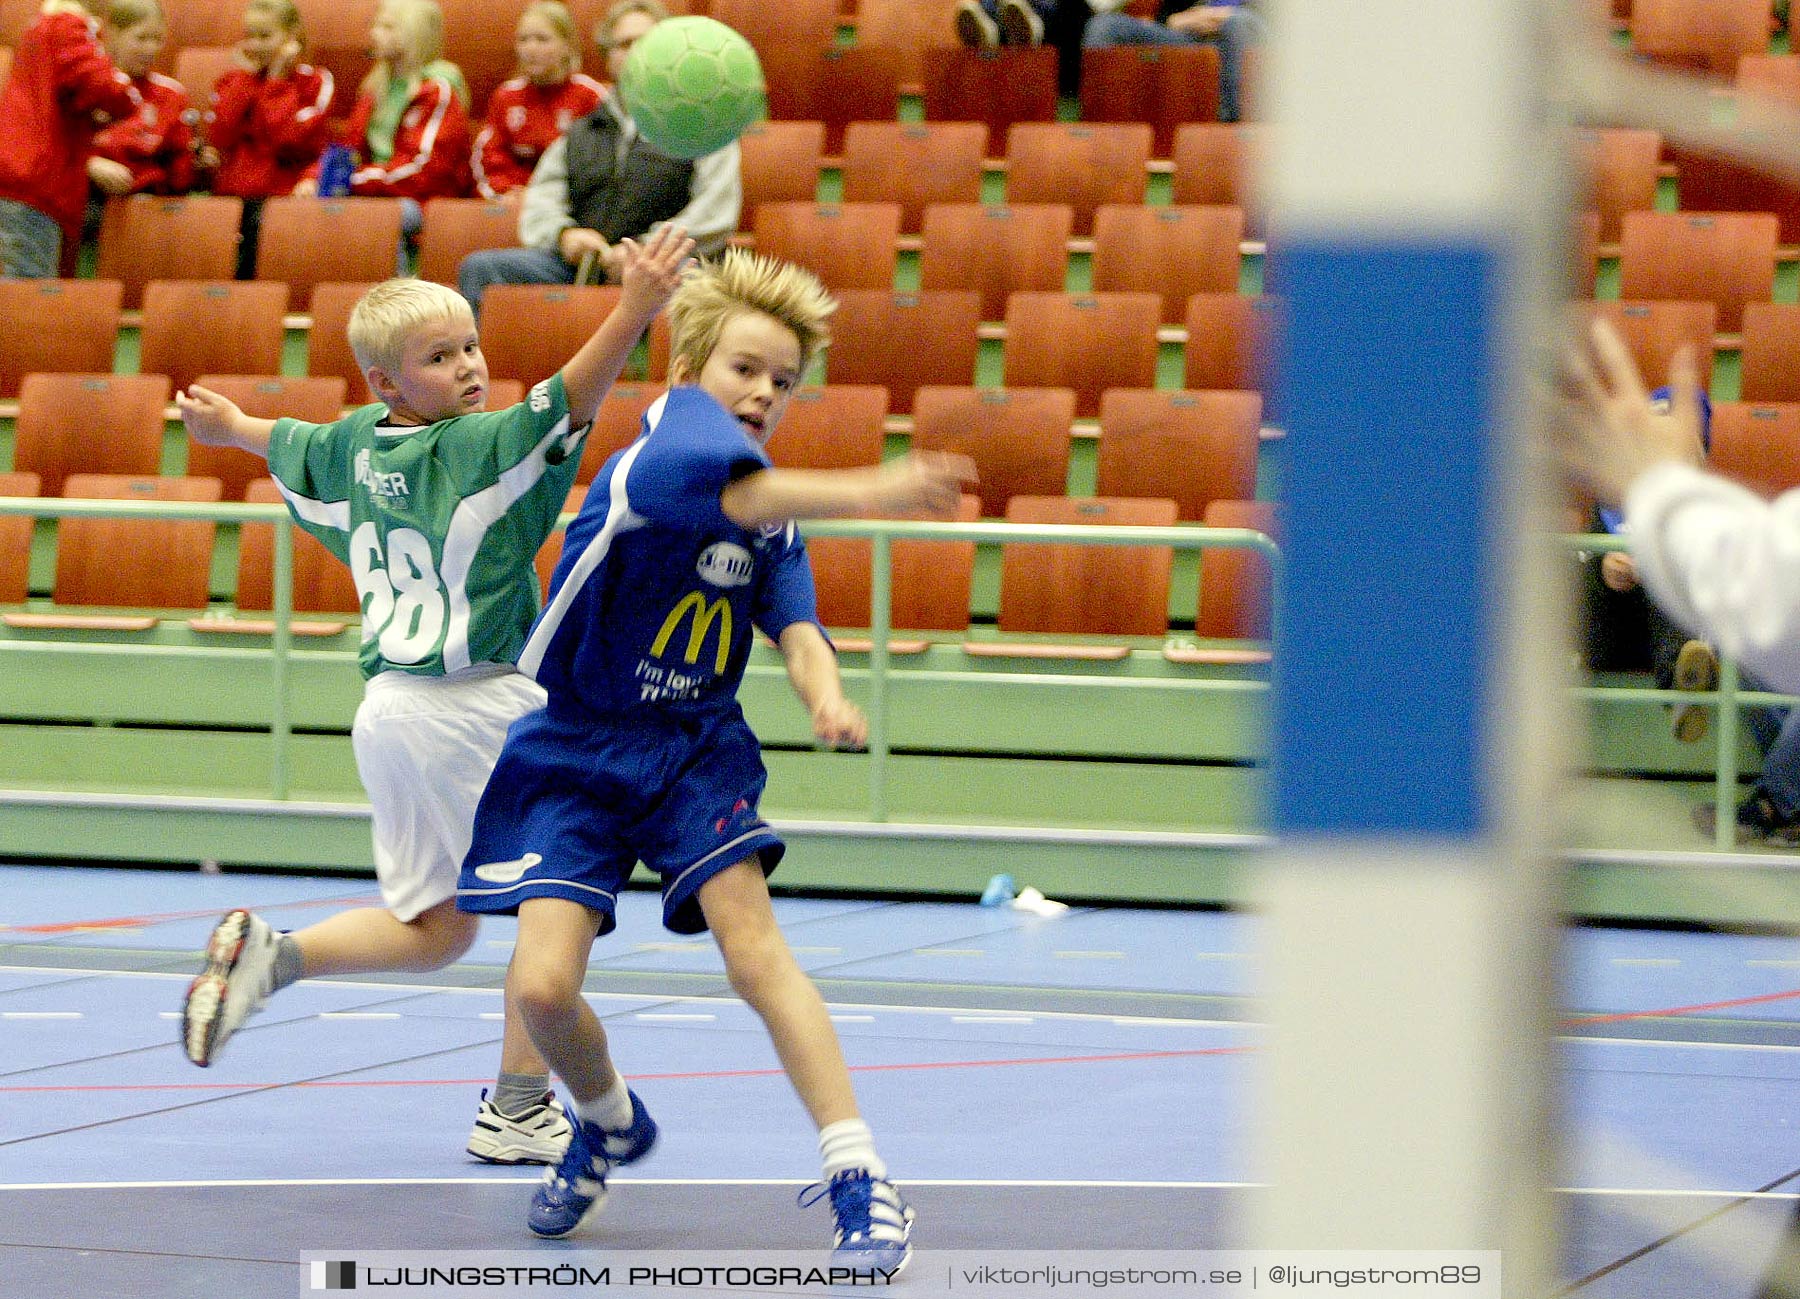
column 1068, row 1184
column 905, row 1008
column 532, row 1180
column 1669, row 1044
column 672, row 1015
column 40, row 1014
column 359, row 1014
column 1675, row 1193
column 853, row 1019
column 992, row 1019
column 1774, row 965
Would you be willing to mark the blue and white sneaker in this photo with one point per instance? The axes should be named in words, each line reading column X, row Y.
column 576, row 1186
column 873, row 1221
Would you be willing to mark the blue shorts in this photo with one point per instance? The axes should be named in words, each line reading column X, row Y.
column 575, row 803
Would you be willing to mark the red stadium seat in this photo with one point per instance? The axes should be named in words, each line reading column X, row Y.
column 56, row 326
column 264, row 396
column 1088, row 342
column 1191, row 447
column 868, row 321
column 59, row 415
column 913, row 164
column 1758, row 444
column 1018, row 437
column 1172, row 251
column 1726, row 258
column 996, row 251
column 1653, row 331
column 15, row 539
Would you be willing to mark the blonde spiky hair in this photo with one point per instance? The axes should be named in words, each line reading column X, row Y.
column 740, row 281
column 390, row 311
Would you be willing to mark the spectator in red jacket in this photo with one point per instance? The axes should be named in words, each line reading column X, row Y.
column 152, row 151
column 270, row 117
column 62, row 89
column 530, row 112
column 410, row 126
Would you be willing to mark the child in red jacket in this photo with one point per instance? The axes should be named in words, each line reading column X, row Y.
column 410, row 127
column 152, row 151
column 270, row 117
column 62, row 89
column 528, row 113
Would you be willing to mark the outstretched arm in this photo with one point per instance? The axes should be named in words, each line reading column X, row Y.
column 1716, row 557
column 927, row 481
column 813, row 672
column 652, row 273
column 215, row 421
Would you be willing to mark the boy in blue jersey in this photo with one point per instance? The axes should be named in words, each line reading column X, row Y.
column 685, row 544
column 439, row 509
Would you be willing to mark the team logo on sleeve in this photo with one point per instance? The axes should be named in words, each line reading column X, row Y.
column 507, row 872
column 725, row 564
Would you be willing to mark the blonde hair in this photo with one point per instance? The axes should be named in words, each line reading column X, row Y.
column 283, row 14
column 740, row 281
column 123, row 15
column 421, row 27
column 385, row 316
column 555, row 15
column 603, row 29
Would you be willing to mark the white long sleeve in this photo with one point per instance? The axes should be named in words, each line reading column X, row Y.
column 1718, row 558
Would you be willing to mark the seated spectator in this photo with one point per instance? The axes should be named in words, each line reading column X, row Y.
column 1623, row 627
column 153, row 150
column 410, row 127
column 1232, row 25
column 602, row 182
column 62, row 89
column 269, row 120
column 989, row 24
column 529, row 113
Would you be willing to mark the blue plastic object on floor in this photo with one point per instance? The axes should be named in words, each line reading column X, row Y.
column 999, row 891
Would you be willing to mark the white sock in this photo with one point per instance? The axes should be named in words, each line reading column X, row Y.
column 846, row 1144
column 611, row 1109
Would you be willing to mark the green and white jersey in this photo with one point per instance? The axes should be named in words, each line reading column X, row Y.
column 440, row 525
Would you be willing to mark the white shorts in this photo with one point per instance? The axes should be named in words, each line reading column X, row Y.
column 425, row 747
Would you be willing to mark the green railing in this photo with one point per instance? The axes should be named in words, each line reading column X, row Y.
column 1724, row 701
column 880, row 534
column 281, row 595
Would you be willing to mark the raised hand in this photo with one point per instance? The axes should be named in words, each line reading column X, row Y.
column 927, row 481
column 651, row 271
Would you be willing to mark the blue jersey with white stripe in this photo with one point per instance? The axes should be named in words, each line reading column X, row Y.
column 652, row 607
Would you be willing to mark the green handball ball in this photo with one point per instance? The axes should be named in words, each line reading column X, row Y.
column 692, row 85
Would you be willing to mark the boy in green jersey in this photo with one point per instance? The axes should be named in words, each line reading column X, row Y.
column 439, row 509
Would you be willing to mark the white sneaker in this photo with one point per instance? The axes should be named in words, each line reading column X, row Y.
column 239, row 974
column 1020, row 24
column 974, row 28
column 538, row 1136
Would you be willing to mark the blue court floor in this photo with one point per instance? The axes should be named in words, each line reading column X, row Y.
column 1071, row 1082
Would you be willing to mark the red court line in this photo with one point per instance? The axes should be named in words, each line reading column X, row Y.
column 1667, row 1011
column 157, row 918
column 1120, row 1057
